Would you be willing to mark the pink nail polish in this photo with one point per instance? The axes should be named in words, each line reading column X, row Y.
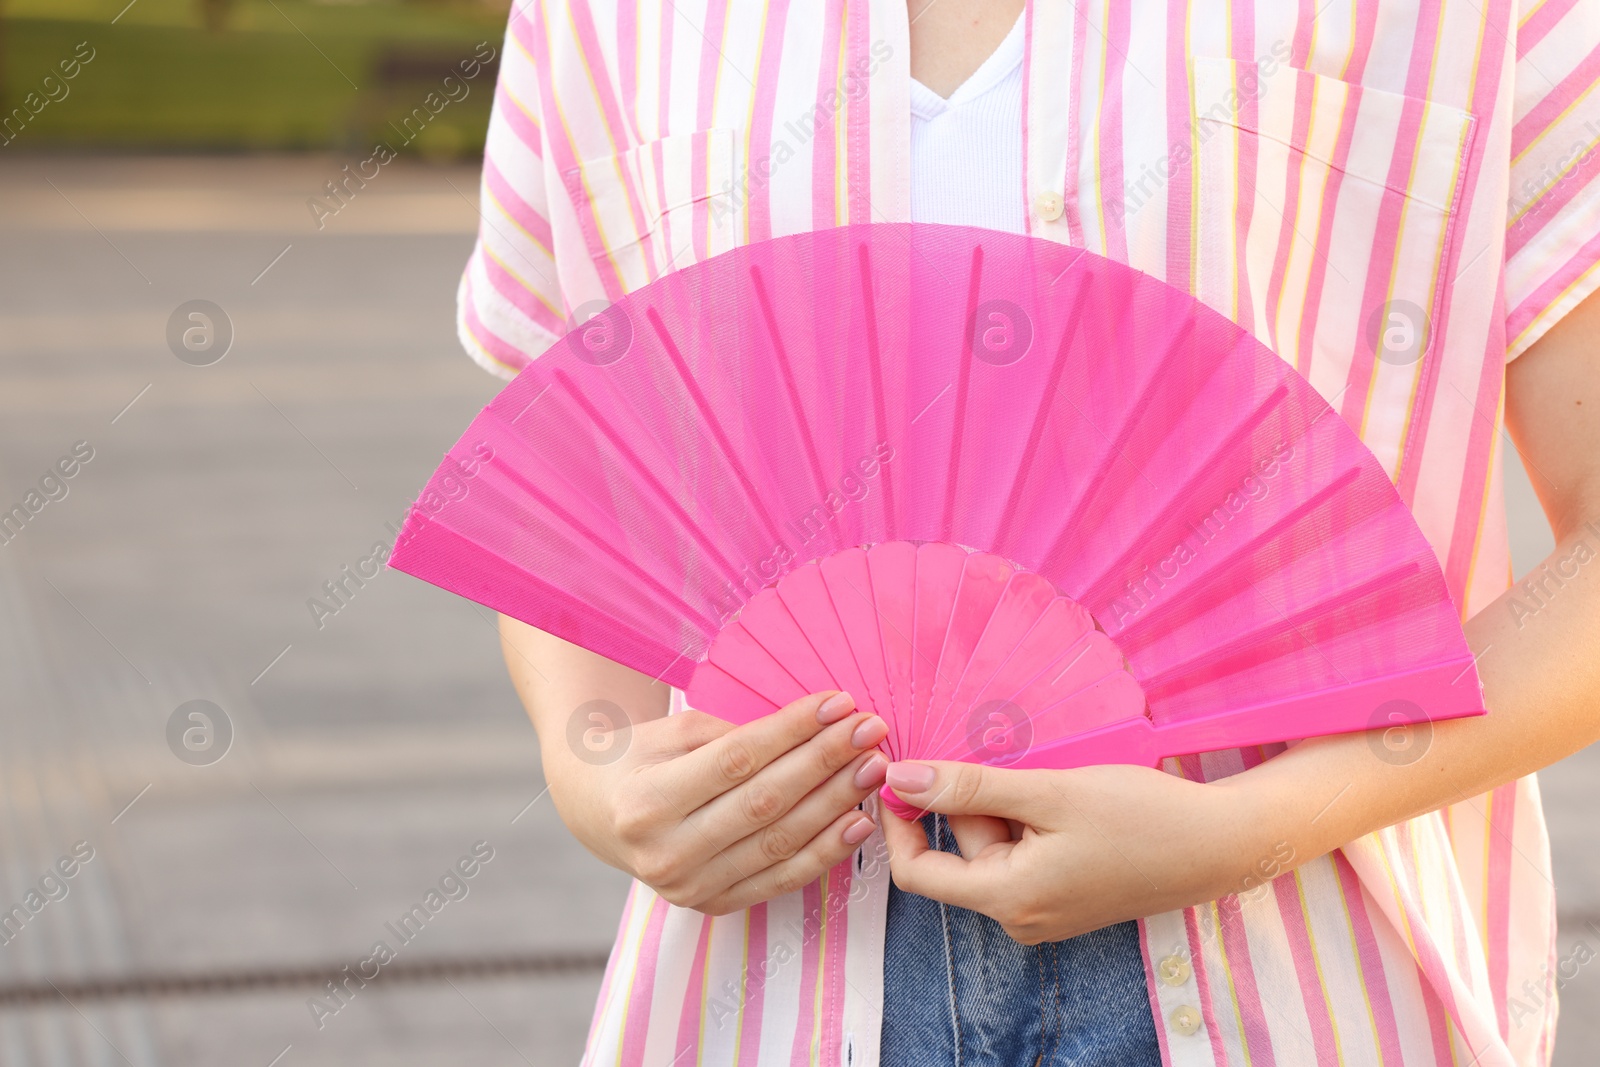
column 835, row 708
column 911, row 777
column 870, row 732
column 870, row 774
column 858, row 831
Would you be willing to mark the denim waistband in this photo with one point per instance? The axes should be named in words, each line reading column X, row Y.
column 959, row 991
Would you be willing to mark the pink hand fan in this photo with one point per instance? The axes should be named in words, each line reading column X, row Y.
column 1032, row 507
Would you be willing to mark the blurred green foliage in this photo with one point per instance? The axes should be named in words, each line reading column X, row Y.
column 265, row 74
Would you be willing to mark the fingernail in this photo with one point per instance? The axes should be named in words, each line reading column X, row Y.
column 870, row 732
column 835, row 708
column 870, row 774
column 858, row 831
column 911, row 777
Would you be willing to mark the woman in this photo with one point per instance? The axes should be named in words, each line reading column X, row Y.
column 1398, row 196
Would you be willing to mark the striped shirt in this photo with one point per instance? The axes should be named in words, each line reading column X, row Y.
column 1397, row 195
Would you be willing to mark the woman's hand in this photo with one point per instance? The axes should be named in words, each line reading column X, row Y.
column 1052, row 854
column 718, row 817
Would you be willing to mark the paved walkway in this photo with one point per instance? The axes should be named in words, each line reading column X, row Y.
column 368, row 754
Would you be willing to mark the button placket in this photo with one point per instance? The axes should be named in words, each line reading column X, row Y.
column 1175, row 971
column 1053, row 103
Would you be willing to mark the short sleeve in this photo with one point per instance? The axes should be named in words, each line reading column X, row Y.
column 1553, row 213
column 508, row 306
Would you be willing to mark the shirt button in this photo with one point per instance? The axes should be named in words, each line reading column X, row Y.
column 1048, row 205
column 1174, row 970
column 1185, row 1020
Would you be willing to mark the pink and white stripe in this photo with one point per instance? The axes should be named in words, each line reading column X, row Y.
column 1310, row 169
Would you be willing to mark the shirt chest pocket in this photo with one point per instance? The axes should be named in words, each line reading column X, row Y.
column 1326, row 216
column 658, row 206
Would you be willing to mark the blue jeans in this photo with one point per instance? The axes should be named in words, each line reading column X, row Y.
column 958, row 991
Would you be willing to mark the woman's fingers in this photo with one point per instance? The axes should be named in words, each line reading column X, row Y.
column 773, row 792
column 687, row 731
column 829, row 848
column 965, row 883
column 811, row 816
column 972, row 884
column 692, row 780
column 974, row 833
column 905, row 837
column 676, row 816
column 954, row 788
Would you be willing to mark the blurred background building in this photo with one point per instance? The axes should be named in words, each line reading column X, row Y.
column 230, row 233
